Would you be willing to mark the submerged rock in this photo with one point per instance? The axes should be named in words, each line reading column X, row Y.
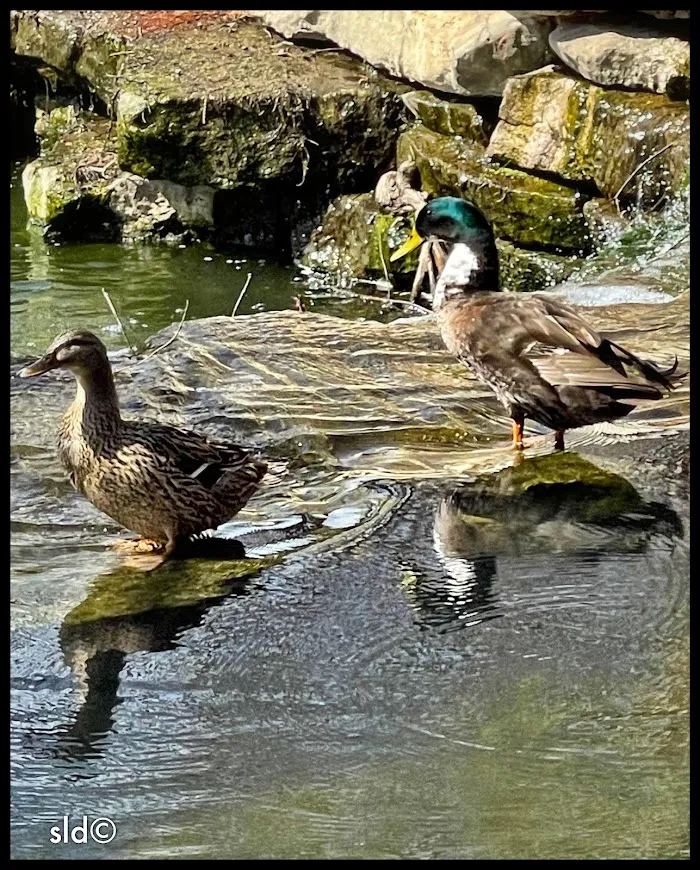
column 554, row 123
column 461, row 52
column 522, row 207
column 625, row 55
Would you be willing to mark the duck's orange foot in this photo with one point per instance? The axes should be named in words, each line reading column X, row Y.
column 518, row 426
column 139, row 545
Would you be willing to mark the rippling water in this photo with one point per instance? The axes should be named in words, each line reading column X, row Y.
column 419, row 655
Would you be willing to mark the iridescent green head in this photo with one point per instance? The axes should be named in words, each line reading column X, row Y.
column 451, row 220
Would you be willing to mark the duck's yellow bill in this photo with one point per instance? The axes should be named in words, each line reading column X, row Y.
column 409, row 245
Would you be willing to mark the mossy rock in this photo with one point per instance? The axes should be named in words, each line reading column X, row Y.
column 559, row 124
column 77, row 164
column 356, row 238
column 447, row 117
column 286, row 114
column 531, row 271
column 128, row 590
column 522, row 208
column 561, row 484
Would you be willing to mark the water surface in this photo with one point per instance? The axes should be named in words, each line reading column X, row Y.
column 399, row 666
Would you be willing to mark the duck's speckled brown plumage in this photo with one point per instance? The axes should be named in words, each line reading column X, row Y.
column 162, row 482
column 541, row 358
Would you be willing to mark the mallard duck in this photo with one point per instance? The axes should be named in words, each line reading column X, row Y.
column 165, row 484
column 540, row 357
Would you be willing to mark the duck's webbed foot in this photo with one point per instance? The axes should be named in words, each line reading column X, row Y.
column 139, row 545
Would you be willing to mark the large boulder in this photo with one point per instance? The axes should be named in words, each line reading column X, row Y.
column 523, row 208
column 625, row 55
column 467, row 52
column 220, row 102
column 636, row 145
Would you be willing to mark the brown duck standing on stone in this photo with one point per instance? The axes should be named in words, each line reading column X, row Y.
column 164, row 483
column 399, row 191
column 540, row 357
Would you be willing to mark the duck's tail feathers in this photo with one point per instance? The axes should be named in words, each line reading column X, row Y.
column 668, row 378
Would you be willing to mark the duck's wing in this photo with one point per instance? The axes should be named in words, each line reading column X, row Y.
column 585, row 358
column 191, row 454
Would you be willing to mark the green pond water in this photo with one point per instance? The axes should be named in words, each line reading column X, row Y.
column 425, row 652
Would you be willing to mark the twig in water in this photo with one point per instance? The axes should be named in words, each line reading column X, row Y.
column 616, row 198
column 170, row 340
column 386, row 273
column 132, row 348
column 242, row 294
column 414, row 305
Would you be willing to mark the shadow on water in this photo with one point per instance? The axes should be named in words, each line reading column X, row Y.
column 130, row 610
column 559, row 504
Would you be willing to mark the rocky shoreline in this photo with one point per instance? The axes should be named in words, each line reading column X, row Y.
column 262, row 129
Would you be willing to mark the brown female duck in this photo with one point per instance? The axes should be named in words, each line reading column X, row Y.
column 164, row 483
column 540, row 357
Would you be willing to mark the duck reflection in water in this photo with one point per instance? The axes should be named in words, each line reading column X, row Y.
column 558, row 505
column 131, row 611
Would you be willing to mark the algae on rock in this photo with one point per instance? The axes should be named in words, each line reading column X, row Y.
column 356, row 238
column 522, row 208
column 558, row 124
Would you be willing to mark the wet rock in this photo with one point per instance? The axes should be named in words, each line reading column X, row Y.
column 68, row 185
column 604, row 220
column 355, row 230
column 149, row 209
column 531, row 271
column 522, row 208
column 447, row 118
column 625, row 55
column 76, row 186
column 356, row 238
column 554, row 123
column 470, row 53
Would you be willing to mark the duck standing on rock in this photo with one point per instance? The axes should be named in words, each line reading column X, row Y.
column 540, row 357
column 164, row 483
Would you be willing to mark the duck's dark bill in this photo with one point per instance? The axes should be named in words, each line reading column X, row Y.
column 36, row 368
column 409, row 245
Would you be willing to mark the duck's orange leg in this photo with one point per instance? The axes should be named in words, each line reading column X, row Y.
column 559, row 439
column 518, row 425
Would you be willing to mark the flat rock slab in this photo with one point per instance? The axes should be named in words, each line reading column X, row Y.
column 625, row 55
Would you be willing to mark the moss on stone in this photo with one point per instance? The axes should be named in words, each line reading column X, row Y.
column 447, row 117
column 551, row 122
column 356, row 238
column 522, row 208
